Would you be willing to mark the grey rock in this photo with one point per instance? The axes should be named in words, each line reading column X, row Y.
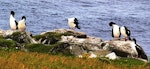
column 125, row 49
column 112, row 56
column 20, row 37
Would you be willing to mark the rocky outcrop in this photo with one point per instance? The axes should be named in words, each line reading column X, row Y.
column 81, row 46
column 66, row 41
column 20, row 37
column 68, row 32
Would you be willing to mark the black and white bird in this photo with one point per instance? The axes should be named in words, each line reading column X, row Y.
column 73, row 23
column 115, row 30
column 140, row 52
column 12, row 21
column 125, row 32
column 22, row 24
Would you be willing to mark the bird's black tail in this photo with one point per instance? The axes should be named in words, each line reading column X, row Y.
column 77, row 26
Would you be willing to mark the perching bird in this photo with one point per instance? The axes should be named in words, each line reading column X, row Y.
column 22, row 24
column 12, row 21
column 125, row 32
column 139, row 50
column 73, row 23
column 115, row 30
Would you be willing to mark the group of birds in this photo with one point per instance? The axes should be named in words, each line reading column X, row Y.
column 21, row 25
column 72, row 23
column 17, row 25
column 117, row 31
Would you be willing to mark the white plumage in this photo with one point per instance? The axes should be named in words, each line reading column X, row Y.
column 125, row 32
column 22, row 24
column 115, row 30
column 134, row 51
column 73, row 23
column 12, row 21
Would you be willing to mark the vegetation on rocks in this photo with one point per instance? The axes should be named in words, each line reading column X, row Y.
column 48, row 38
column 20, row 37
column 51, row 53
column 7, row 44
column 54, row 37
column 42, row 48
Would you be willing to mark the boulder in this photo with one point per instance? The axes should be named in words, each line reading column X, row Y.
column 89, row 43
column 124, row 49
column 68, row 32
column 20, row 37
column 112, row 56
column 52, row 37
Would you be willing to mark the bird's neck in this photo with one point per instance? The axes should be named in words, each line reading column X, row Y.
column 11, row 16
column 23, row 19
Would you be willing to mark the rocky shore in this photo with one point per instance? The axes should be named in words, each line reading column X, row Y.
column 69, row 42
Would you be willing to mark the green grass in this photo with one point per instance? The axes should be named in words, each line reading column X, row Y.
column 129, row 62
column 32, row 60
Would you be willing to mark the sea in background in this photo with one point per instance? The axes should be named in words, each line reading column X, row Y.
column 93, row 15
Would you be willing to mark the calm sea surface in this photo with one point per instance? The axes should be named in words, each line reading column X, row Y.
column 93, row 15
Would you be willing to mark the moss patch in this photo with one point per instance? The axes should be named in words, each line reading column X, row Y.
column 78, row 35
column 1, row 37
column 7, row 43
column 19, row 37
column 53, row 37
column 49, row 38
column 41, row 48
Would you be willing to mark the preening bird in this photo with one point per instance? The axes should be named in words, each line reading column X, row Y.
column 125, row 32
column 22, row 24
column 73, row 23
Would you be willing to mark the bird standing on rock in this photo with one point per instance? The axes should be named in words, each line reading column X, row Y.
column 22, row 24
column 125, row 32
column 115, row 30
column 12, row 21
column 73, row 23
column 140, row 52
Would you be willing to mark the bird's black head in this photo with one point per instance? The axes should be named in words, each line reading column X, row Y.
column 12, row 13
column 75, row 19
column 111, row 23
column 23, row 17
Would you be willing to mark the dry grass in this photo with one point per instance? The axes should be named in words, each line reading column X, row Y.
column 26, row 60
